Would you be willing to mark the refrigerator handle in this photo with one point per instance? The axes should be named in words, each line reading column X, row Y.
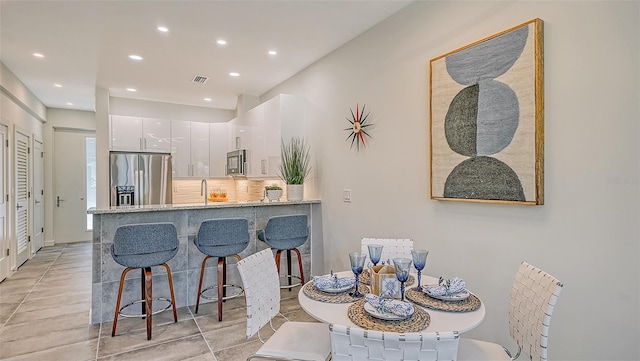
column 138, row 188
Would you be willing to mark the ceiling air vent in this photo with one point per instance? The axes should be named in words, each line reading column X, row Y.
column 199, row 79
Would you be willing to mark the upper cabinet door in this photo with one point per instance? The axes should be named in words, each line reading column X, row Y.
column 181, row 148
column 156, row 135
column 283, row 119
column 218, row 147
column 126, row 133
column 256, row 161
column 199, row 149
column 136, row 134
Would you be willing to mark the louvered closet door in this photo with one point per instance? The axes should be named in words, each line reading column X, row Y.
column 4, row 243
column 22, row 197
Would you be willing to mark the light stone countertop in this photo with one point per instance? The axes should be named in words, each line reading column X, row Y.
column 190, row 206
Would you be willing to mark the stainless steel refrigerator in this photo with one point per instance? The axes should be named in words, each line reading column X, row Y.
column 140, row 178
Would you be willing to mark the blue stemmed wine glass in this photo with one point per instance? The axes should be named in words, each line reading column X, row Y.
column 357, row 264
column 419, row 262
column 402, row 266
column 375, row 252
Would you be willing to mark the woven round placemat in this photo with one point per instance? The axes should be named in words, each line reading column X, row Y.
column 365, row 278
column 422, row 299
column 343, row 297
column 417, row 322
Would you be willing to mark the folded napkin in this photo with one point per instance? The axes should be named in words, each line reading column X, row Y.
column 389, row 305
column 328, row 282
column 446, row 287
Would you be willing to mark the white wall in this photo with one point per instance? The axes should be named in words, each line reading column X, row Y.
column 58, row 118
column 586, row 234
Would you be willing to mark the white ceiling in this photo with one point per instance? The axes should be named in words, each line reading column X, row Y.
column 87, row 44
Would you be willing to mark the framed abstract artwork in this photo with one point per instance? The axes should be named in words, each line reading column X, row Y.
column 487, row 126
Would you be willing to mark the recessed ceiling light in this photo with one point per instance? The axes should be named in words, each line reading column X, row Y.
column 164, row 29
column 69, row 103
column 131, row 90
column 57, row 85
column 221, row 42
column 135, row 57
column 272, row 52
column 38, row 55
column 207, row 99
column 233, row 73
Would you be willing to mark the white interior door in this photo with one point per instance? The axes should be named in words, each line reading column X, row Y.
column 37, row 232
column 21, row 154
column 4, row 244
column 70, row 210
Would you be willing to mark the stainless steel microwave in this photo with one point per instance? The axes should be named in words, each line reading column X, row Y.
column 237, row 163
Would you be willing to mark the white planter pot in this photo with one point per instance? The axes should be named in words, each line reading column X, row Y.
column 274, row 194
column 295, row 192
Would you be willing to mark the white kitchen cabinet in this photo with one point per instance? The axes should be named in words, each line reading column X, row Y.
column 283, row 118
column 190, row 148
column 200, row 149
column 136, row 134
column 255, row 154
column 261, row 129
column 239, row 133
column 218, row 148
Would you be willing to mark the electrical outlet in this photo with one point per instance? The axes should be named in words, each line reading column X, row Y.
column 175, row 189
column 346, row 195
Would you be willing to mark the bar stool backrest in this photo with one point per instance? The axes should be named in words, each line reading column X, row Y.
column 228, row 236
column 145, row 245
column 286, row 232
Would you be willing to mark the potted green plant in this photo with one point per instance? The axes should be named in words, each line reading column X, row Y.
column 294, row 166
column 273, row 192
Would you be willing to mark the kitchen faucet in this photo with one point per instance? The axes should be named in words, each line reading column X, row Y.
column 203, row 190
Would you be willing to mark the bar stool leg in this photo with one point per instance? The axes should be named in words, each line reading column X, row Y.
column 289, row 268
column 147, row 299
column 299, row 265
column 173, row 297
column 204, row 261
column 222, row 275
column 117, row 312
column 278, row 261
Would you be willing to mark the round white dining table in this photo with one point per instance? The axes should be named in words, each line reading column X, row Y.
column 441, row 321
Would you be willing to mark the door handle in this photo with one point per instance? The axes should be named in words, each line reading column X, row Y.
column 58, row 200
column 19, row 206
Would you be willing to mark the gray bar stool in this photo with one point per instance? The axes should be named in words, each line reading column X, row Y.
column 221, row 238
column 285, row 233
column 144, row 246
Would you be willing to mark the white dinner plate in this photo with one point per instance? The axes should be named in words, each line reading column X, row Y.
column 368, row 308
column 455, row 297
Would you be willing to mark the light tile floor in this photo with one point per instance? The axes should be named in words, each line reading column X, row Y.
column 44, row 315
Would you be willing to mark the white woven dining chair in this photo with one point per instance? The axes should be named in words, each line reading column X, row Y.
column 356, row 344
column 533, row 296
column 392, row 248
column 307, row 341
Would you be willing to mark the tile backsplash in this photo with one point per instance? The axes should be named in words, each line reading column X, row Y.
column 239, row 190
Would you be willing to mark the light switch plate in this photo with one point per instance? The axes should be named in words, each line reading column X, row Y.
column 346, row 195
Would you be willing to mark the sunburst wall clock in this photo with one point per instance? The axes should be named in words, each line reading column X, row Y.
column 357, row 130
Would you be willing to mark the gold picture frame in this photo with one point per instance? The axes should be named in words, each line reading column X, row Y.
column 487, row 119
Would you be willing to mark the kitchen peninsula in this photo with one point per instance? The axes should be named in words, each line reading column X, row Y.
column 185, row 266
